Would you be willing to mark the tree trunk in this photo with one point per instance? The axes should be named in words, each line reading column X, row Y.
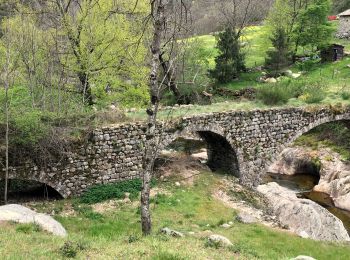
column 158, row 15
column 86, row 88
column 7, row 145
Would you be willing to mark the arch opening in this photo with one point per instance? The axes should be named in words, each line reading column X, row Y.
column 221, row 156
column 20, row 191
column 207, row 147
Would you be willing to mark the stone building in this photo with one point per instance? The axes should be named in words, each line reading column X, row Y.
column 344, row 25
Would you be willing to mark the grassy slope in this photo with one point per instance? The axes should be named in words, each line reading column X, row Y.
column 334, row 75
column 187, row 209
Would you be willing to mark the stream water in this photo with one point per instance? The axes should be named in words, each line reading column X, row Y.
column 303, row 185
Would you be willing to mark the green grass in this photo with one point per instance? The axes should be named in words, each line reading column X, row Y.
column 117, row 234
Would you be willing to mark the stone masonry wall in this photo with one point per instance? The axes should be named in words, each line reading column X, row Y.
column 114, row 153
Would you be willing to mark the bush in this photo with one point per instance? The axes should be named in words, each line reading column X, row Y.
column 70, row 249
column 308, row 65
column 313, row 93
column 104, row 192
column 278, row 94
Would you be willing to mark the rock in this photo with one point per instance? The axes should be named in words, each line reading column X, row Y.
column 293, row 161
column 302, row 257
column 302, row 215
column 271, row 80
column 334, row 173
column 20, row 214
column 246, row 218
column 225, row 225
column 220, row 240
column 177, row 184
column 288, row 73
column 303, row 234
column 170, row 232
column 296, row 75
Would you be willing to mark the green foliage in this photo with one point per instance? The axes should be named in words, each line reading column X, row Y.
column 71, row 249
column 275, row 94
column 104, row 192
column 313, row 28
column 305, row 22
column 230, row 61
column 313, row 92
column 279, row 57
column 308, row 64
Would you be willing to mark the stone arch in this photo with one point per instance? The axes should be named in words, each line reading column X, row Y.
column 54, row 186
column 304, row 130
column 315, row 124
column 222, row 155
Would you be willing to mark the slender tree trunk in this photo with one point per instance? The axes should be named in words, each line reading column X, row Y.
column 86, row 88
column 7, row 145
column 158, row 15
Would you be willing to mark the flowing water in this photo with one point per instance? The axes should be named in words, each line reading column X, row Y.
column 303, row 185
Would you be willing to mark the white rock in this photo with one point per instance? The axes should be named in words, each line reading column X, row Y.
column 170, row 232
column 271, row 80
column 221, row 240
column 303, row 234
column 303, row 257
column 296, row 75
column 246, row 218
column 20, row 214
column 225, row 225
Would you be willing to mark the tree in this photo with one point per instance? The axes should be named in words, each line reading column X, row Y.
column 304, row 22
column 230, row 61
column 313, row 29
column 279, row 57
column 164, row 31
column 8, row 62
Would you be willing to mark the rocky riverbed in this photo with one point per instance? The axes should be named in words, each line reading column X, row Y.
column 321, row 176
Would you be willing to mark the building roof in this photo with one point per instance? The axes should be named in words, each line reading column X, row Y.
column 345, row 13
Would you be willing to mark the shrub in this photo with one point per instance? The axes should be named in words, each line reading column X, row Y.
column 314, row 93
column 308, row 65
column 104, row 192
column 69, row 250
column 276, row 94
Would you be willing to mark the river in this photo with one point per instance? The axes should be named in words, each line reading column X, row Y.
column 303, row 185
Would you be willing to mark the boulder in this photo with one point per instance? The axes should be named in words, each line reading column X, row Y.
column 296, row 75
column 271, row 80
column 246, row 218
column 226, row 225
column 170, row 232
column 303, row 215
column 288, row 73
column 303, row 257
column 20, row 214
column 219, row 240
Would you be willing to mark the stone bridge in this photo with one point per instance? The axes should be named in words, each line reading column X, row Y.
column 243, row 143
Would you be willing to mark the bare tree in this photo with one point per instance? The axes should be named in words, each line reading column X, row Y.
column 165, row 30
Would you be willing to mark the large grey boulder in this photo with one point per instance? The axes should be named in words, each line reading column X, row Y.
column 20, row 214
column 303, row 215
